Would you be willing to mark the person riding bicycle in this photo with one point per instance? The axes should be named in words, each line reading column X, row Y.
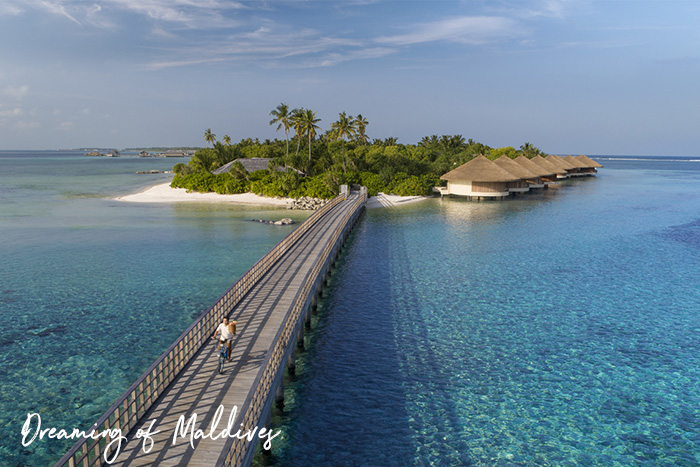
column 226, row 330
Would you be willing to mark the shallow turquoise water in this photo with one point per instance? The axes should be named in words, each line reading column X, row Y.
column 93, row 290
column 554, row 329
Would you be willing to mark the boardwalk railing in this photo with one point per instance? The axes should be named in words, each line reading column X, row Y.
column 135, row 402
column 254, row 405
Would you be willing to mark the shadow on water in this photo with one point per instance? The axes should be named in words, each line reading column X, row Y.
column 346, row 398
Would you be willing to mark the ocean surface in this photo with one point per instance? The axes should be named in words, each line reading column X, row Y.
column 558, row 328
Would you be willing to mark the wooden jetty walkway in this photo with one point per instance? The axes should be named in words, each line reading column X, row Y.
column 271, row 304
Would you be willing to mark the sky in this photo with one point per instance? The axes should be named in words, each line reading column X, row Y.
column 569, row 76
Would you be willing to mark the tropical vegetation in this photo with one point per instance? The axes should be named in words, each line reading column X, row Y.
column 322, row 161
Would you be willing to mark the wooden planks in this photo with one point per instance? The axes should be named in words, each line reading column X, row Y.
column 200, row 390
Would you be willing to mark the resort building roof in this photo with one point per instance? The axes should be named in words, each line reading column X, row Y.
column 575, row 162
column 513, row 167
column 557, row 161
column 249, row 164
column 588, row 161
column 479, row 169
column 532, row 167
column 545, row 164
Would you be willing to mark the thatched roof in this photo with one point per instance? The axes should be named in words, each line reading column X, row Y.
column 479, row 169
column 575, row 162
column 513, row 167
column 588, row 161
column 249, row 164
column 557, row 161
column 545, row 164
column 532, row 167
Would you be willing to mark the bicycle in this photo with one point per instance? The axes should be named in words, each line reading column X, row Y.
column 223, row 355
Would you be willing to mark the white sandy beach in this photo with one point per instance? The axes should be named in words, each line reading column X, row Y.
column 163, row 193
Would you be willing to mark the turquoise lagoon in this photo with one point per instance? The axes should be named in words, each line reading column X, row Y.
column 93, row 290
column 557, row 328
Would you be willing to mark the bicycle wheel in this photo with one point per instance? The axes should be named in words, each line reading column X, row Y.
column 221, row 362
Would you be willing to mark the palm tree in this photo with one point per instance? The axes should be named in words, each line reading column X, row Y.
column 343, row 128
column 227, row 140
column 361, row 125
column 209, row 137
column 296, row 120
column 309, row 127
column 282, row 118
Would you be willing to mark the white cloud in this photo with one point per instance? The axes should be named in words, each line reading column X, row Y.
column 55, row 8
column 15, row 92
column 16, row 112
column 360, row 54
column 22, row 125
column 66, row 126
column 472, row 30
column 195, row 14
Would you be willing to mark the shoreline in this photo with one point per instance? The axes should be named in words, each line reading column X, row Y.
column 163, row 193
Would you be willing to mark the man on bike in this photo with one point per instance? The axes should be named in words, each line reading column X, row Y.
column 227, row 330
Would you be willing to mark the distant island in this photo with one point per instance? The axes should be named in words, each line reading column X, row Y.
column 315, row 163
column 152, row 152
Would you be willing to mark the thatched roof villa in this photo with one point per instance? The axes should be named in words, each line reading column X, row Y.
column 526, row 176
column 579, row 166
column 480, row 178
column 545, row 175
column 545, row 164
column 560, row 164
column 572, row 169
column 252, row 164
column 590, row 166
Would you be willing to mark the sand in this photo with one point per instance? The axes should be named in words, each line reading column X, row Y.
column 387, row 201
column 164, row 194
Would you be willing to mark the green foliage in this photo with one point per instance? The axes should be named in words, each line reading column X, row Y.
column 509, row 151
column 342, row 155
column 315, row 187
column 206, row 182
column 182, row 169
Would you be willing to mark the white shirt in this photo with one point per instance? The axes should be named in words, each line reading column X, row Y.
column 225, row 331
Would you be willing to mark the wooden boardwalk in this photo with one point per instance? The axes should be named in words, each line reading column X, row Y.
column 199, row 389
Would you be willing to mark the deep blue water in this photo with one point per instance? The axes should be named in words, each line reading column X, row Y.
column 554, row 329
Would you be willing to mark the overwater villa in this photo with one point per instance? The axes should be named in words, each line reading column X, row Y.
column 574, row 169
column 526, row 176
column 479, row 178
column 545, row 164
column 576, row 163
column 557, row 162
column 546, row 176
column 591, row 166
